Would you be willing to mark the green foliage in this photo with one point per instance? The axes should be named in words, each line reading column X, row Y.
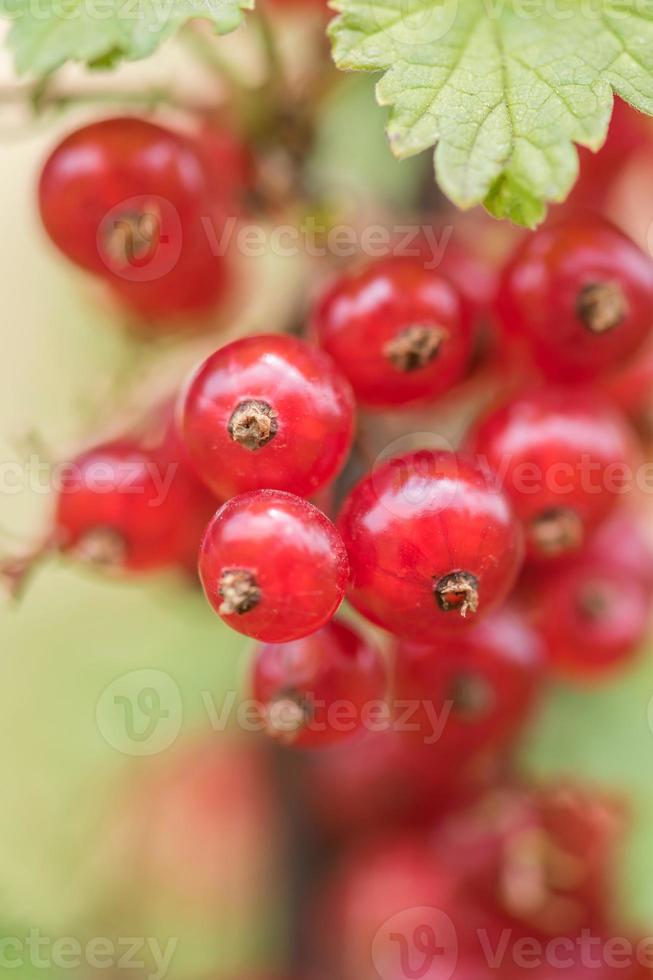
column 503, row 88
column 101, row 33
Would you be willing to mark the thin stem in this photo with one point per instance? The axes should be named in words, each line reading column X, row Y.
column 42, row 97
column 203, row 48
column 276, row 73
column 63, row 100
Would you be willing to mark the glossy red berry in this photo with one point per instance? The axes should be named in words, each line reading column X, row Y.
column 580, row 295
column 317, row 691
column 562, row 458
column 593, row 615
column 126, row 199
column 399, row 332
column 273, row 566
column 268, row 411
column 124, row 507
column 471, row 692
column 432, row 545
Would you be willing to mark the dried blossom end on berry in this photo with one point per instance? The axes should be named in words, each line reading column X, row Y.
column 556, row 531
column 596, row 600
column 601, row 306
column 471, row 696
column 457, row 591
column 132, row 236
column 286, row 716
column 239, row 591
column 103, row 547
column 253, row 424
column 415, row 347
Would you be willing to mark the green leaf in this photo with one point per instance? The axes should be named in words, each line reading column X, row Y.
column 603, row 735
column 504, row 88
column 101, row 33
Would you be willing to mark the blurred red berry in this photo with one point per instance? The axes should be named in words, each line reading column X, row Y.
column 397, row 331
column 472, row 692
column 317, row 691
column 562, row 457
column 579, row 296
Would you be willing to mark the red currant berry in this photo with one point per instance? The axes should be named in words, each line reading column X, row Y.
column 375, row 904
column 273, row 566
column 228, row 164
column 398, row 332
column 125, row 507
column 199, row 504
column 395, row 912
column 514, row 852
column 472, row 692
column 561, row 457
column 315, row 691
column 631, row 387
column 628, row 133
column 621, row 542
column 268, row 412
column 461, row 263
column 125, row 198
column 388, row 778
column 104, row 166
column 431, row 544
column 191, row 288
column 580, row 293
column 593, row 616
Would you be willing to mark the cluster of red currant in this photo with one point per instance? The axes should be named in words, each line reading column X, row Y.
column 512, row 886
column 488, row 564
column 430, row 544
